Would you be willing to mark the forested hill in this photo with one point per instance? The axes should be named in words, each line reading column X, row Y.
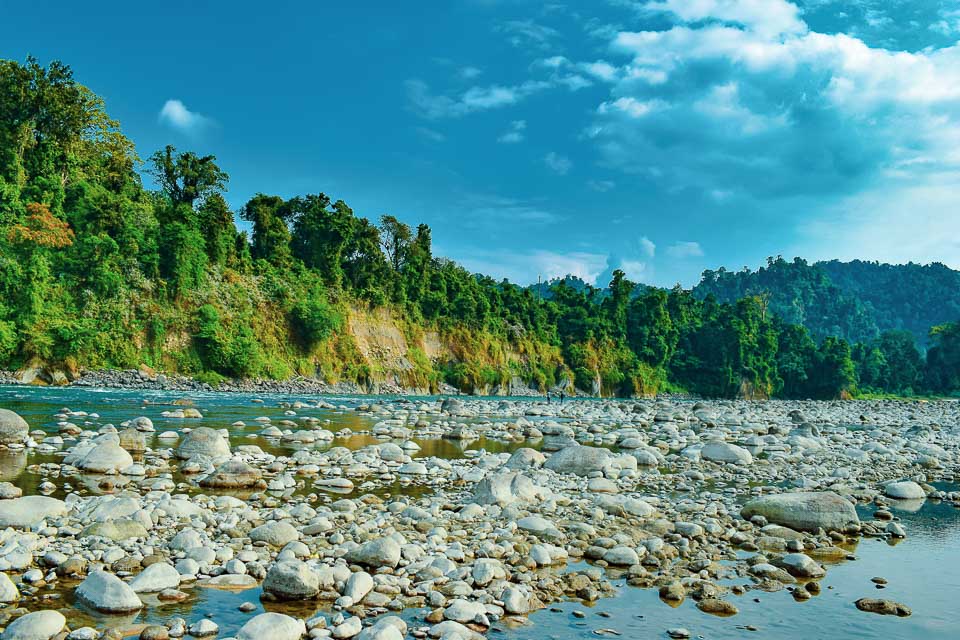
column 856, row 300
column 98, row 271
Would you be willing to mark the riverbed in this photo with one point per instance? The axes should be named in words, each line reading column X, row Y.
column 920, row 570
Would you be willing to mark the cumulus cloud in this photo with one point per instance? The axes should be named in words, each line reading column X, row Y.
column 740, row 96
column 685, row 249
column 557, row 163
column 176, row 115
column 515, row 133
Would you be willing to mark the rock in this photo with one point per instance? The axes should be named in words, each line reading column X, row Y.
column 725, row 452
column 382, row 552
column 621, row 556
column 28, row 511
column 13, row 428
column 8, row 491
column 801, row 565
column 8, row 591
column 277, row 533
column 883, row 607
column 507, row 488
column 155, row 632
column 906, row 490
column 453, row 630
column 274, row 626
column 525, row 458
column 106, row 457
column 386, row 628
column 515, row 601
column 579, row 460
column 291, row 580
column 155, row 578
column 133, row 440
column 107, row 593
column 717, row 607
column 466, row 611
column 540, row 527
column 204, row 442
column 233, row 473
column 204, row 628
column 807, row 511
column 39, row 625
column 348, row 628
column 358, row 586
column 117, row 530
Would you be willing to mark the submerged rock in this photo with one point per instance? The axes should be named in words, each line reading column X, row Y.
column 883, row 607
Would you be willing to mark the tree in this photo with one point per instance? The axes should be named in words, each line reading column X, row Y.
column 395, row 237
column 271, row 236
column 320, row 234
column 186, row 178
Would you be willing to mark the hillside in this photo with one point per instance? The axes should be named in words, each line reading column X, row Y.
column 96, row 271
column 857, row 300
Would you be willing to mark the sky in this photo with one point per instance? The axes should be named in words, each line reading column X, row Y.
column 662, row 137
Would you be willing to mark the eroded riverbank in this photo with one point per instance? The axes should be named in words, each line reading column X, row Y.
column 469, row 517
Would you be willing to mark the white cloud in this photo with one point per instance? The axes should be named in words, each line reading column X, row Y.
column 769, row 17
column 430, row 134
column 524, row 267
column 176, row 115
column 469, row 73
column 473, row 100
column 648, row 247
column 900, row 221
column 601, row 185
column 528, row 34
column 515, row 133
column 685, row 249
column 557, row 163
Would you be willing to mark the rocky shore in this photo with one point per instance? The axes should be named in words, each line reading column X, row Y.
column 708, row 501
column 147, row 379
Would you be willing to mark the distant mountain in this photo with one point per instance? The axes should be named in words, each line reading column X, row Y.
column 855, row 300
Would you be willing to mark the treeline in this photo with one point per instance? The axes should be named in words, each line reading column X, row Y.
column 96, row 271
column 856, row 300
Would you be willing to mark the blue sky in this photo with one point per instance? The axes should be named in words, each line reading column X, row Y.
column 663, row 137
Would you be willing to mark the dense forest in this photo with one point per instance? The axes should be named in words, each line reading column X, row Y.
column 856, row 301
column 98, row 271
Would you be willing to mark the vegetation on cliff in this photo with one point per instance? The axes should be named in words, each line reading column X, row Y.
column 98, row 271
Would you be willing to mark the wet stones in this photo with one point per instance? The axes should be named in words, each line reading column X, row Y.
column 883, row 607
column 807, row 511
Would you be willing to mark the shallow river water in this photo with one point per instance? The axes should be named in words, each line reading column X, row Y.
column 923, row 571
